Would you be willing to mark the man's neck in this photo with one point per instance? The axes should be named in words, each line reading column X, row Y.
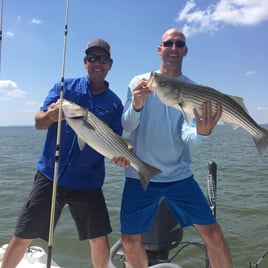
column 169, row 72
column 98, row 87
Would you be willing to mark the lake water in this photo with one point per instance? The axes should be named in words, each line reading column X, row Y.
column 242, row 196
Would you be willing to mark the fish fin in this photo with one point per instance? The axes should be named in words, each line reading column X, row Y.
column 146, row 173
column 240, row 101
column 128, row 142
column 125, row 141
column 187, row 116
column 81, row 143
column 231, row 124
column 262, row 142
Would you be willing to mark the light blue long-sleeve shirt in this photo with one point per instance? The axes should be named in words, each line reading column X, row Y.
column 160, row 136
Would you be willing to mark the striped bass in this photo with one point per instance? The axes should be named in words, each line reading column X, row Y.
column 94, row 132
column 185, row 97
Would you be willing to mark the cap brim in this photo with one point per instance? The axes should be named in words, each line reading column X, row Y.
column 99, row 47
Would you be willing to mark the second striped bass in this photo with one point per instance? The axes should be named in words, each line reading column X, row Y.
column 185, row 97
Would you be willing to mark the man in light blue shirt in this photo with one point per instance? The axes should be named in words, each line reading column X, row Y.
column 160, row 136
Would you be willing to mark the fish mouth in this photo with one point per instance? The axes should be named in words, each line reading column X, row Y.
column 150, row 83
column 77, row 117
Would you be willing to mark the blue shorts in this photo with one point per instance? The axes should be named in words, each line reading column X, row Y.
column 185, row 198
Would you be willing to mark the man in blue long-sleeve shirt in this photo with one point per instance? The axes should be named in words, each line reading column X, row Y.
column 81, row 173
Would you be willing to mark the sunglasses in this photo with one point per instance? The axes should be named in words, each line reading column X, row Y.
column 101, row 59
column 170, row 43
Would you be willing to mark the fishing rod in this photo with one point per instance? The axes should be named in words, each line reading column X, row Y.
column 1, row 33
column 57, row 153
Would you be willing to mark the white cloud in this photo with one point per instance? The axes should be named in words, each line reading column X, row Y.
column 233, row 12
column 10, row 89
column 31, row 103
column 9, row 34
column 262, row 108
column 250, row 73
column 36, row 21
column 31, row 111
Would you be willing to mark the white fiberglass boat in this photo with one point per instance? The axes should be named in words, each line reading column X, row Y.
column 34, row 257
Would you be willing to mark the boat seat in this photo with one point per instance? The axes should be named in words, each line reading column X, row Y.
column 165, row 232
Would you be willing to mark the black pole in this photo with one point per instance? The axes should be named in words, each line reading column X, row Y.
column 212, row 185
column 211, row 193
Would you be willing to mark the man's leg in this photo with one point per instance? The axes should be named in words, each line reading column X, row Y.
column 15, row 252
column 100, row 251
column 134, row 251
column 218, row 250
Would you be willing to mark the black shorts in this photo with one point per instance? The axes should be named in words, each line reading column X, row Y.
column 87, row 207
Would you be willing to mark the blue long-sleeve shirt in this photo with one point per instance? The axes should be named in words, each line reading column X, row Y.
column 160, row 136
column 79, row 169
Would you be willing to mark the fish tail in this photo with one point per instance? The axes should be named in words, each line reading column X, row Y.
column 262, row 142
column 146, row 173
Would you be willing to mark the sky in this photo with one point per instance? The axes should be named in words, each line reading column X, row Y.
column 227, row 47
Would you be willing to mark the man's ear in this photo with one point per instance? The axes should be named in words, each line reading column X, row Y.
column 159, row 50
column 85, row 60
column 185, row 51
column 111, row 64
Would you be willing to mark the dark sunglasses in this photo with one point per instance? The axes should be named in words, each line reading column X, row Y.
column 170, row 43
column 102, row 58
